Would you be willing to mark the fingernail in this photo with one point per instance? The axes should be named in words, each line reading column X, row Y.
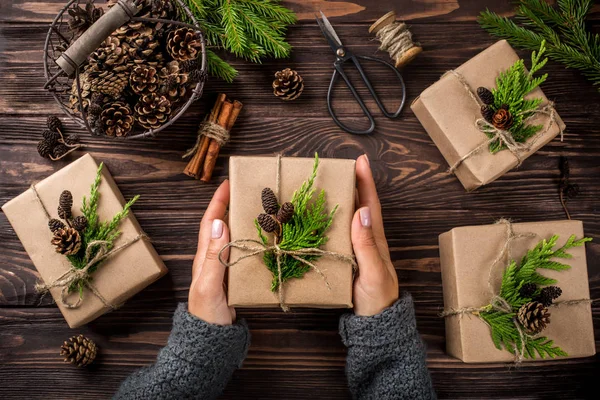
column 365, row 216
column 217, row 229
column 367, row 158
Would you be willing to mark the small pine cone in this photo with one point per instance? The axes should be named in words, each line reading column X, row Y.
column 59, row 150
column 66, row 241
column 549, row 294
column 528, row 290
column 268, row 223
column 486, row 96
column 285, row 213
column 54, row 123
column 51, row 136
column 79, row 350
column 55, row 224
column 534, row 317
column 80, row 223
column 189, row 65
column 66, row 202
column 487, row 113
column 288, row 84
column 502, row 119
column 269, row 201
column 72, row 139
column 94, row 110
column 45, row 147
column 197, row 75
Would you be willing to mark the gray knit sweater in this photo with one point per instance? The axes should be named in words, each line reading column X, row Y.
column 386, row 358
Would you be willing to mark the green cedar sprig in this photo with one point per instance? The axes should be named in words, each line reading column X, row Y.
column 511, row 87
column 563, row 28
column 250, row 29
column 503, row 330
column 97, row 230
column 306, row 230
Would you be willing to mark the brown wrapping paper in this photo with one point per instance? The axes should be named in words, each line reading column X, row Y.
column 120, row 276
column 448, row 114
column 466, row 255
column 250, row 281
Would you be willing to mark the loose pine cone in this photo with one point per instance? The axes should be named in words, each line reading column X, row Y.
column 528, row 290
column 152, row 110
column 80, row 223
column 51, row 137
column 486, row 96
column 81, row 19
column 111, row 56
column 174, row 81
column 116, row 119
column 534, row 317
column 72, row 139
column 45, row 148
column 285, row 213
column 79, row 350
column 55, row 224
column 288, row 84
column 67, row 241
column 269, row 201
column 143, row 79
column 268, row 223
column 502, row 119
column 59, row 150
column 111, row 83
column 183, row 44
column 549, row 294
column 66, row 201
column 54, row 124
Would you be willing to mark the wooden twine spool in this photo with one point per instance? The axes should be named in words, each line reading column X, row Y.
column 396, row 39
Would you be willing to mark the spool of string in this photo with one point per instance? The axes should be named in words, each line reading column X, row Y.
column 396, row 39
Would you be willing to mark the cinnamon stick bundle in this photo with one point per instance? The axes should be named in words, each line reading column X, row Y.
column 223, row 114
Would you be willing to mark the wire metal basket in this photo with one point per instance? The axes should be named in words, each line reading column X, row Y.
column 64, row 57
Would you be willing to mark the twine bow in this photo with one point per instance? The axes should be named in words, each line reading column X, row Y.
column 504, row 136
column 212, row 131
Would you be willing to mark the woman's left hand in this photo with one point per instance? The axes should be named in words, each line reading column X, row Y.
column 208, row 298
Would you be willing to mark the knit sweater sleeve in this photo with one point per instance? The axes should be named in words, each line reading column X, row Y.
column 386, row 358
column 196, row 363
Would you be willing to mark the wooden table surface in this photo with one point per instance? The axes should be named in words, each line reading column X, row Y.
column 296, row 355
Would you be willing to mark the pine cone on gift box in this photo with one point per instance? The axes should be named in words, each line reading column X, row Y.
column 116, row 120
column 174, row 81
column 269, row 201
column 80, row 223
column 502, row 119
column 152, row 110
column 81, row 19
column 285, row 213
column 487, row 113
column 268, row 223
column 66, row 241
column 183, row 44
column 534, row 317
column 528, row 290
column 288, row 84
column 143, row 79
column 79, row 350
column 66, row 202
column 55, row 224
column 485, row 95
column 549, row 294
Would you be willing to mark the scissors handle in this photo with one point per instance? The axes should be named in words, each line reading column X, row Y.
column 340, row 71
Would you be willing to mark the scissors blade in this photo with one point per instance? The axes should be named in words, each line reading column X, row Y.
column 329, row 32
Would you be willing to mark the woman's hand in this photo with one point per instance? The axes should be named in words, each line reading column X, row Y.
column 376, row 286
column 207, row 298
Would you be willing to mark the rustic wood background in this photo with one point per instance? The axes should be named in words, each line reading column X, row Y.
column 298, row 355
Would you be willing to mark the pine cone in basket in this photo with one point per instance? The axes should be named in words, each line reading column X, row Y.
column 152, row 110
column 81, row 19
column 183, row 44
column 109, row 82
column 112, row 55
column 143, row 79
column 66, row 241
column 79, row 350
column 85, row 85
column 534, row 317
column 174, row 81
column 116, row 119
column 288, row 84
column 143, row 47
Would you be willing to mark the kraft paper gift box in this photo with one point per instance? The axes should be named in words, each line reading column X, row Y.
column 118, row 277
column 249, row 281
column 466, row 256
column 448, row 114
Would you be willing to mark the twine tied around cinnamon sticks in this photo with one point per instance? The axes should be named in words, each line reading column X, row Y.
column 254, row 247
column 213, row 133
column 74, row 275
column 500, row 304
column 504, row 136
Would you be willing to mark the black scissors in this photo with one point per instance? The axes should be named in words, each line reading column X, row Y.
column 342, row 55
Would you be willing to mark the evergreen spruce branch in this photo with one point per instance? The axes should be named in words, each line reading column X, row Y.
column 236, row 42
column 272, row 42
column 271, row 10
column 219, row 68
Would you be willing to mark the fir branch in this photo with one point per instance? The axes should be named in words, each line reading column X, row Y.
column 563, row 28
column 219, row 68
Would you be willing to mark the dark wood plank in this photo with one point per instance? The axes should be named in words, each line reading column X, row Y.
column 297, row 355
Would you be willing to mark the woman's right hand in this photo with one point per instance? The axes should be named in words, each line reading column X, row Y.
column 376, row 286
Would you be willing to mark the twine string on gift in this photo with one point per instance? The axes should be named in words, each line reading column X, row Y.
column 505, row 137
column 254, row 247
column 212, row 131
column 76, row 275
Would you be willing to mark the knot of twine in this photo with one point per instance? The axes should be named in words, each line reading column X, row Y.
column 396, row 39
column 504, row 136
column 500, row 304
column 254, row 247
column 212, row 131
column 75, row 274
